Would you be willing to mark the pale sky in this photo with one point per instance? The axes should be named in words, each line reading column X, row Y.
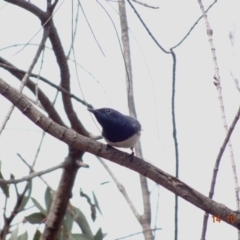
column 199, row 124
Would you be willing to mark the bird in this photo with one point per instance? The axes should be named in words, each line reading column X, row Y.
column 118, row 130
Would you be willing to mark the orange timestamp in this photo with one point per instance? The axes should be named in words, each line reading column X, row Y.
column 230, row 218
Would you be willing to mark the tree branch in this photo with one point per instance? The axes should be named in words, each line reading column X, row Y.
column 61, row 60
column 25, row 78
column 46, row 103
column 59, row 88
column 32, row 175
column 85, row 144
column 145, row 218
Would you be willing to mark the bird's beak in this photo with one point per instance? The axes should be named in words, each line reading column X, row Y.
column 91, row 110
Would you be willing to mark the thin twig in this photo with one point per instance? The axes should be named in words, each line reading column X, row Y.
column 193, row 26
column 59, row 88
column 217, row 164
column 39, row 73
column 155, row 229
column 91, row 28
column 118, row 38
column 24, row 80
column 157, row 207
column 145, row 4
column 217, row 83
column 175, row 140
column 147, row 29
column 121, row 189
column 32, row 175
column 75, row 29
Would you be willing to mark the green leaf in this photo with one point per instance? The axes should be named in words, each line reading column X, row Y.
column 24, row 236
column 14, row 234
column 37, row 235
column 82, row 222
column 80, row 237
column 96, row 202
column 48, row 198
column 99, row 235
column 26, row 198
column 4, row 186
column 106, row 182
column 40, row 208
column 35, row 218
column 68, row 222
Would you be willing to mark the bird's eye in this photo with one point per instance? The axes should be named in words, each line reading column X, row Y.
column 107, row 110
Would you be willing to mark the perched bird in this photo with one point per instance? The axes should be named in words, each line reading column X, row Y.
column 118, row 130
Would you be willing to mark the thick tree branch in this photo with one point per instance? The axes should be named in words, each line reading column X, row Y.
column 82, row 143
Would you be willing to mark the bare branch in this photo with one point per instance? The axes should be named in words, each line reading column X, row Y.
column 216, row 167
column 145, row 4
column 83, row 144
column 61, row 60
column 152, row 230
column 121, row 189
column 32, row 175
column 217, row 83
column 59, row 88
column 194, row 25
column 32, row 170
column 46, row 103
column 90, row 28
column 75, row 29
column 147, row 29
column 145, row 219
column 24, row 80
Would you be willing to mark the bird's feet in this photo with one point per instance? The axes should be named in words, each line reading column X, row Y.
column 108, row 146
column 132, row 155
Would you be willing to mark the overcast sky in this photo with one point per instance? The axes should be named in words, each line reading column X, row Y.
column 198, row 117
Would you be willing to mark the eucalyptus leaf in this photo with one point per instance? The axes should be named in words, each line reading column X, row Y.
column 14, row 235
column 80, row 237
column 82, row 222
column 4, row 186
column 96, row 202
column 48, row 198
column 39, row 207
column 37, row 235
column 99, row 235
column 35, row 218
column 24, row 236
column 68, row 222
column 26, row 198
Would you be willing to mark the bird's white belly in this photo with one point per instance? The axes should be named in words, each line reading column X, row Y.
column 129, row 143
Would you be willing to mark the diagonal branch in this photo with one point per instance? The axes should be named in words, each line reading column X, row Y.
column 32, row 175
column 46, row 103
column 121, row 189
column 59, row 88
column 85, row 144
column 145, row 4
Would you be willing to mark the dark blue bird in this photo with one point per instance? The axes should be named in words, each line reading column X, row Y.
column 118, row 130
